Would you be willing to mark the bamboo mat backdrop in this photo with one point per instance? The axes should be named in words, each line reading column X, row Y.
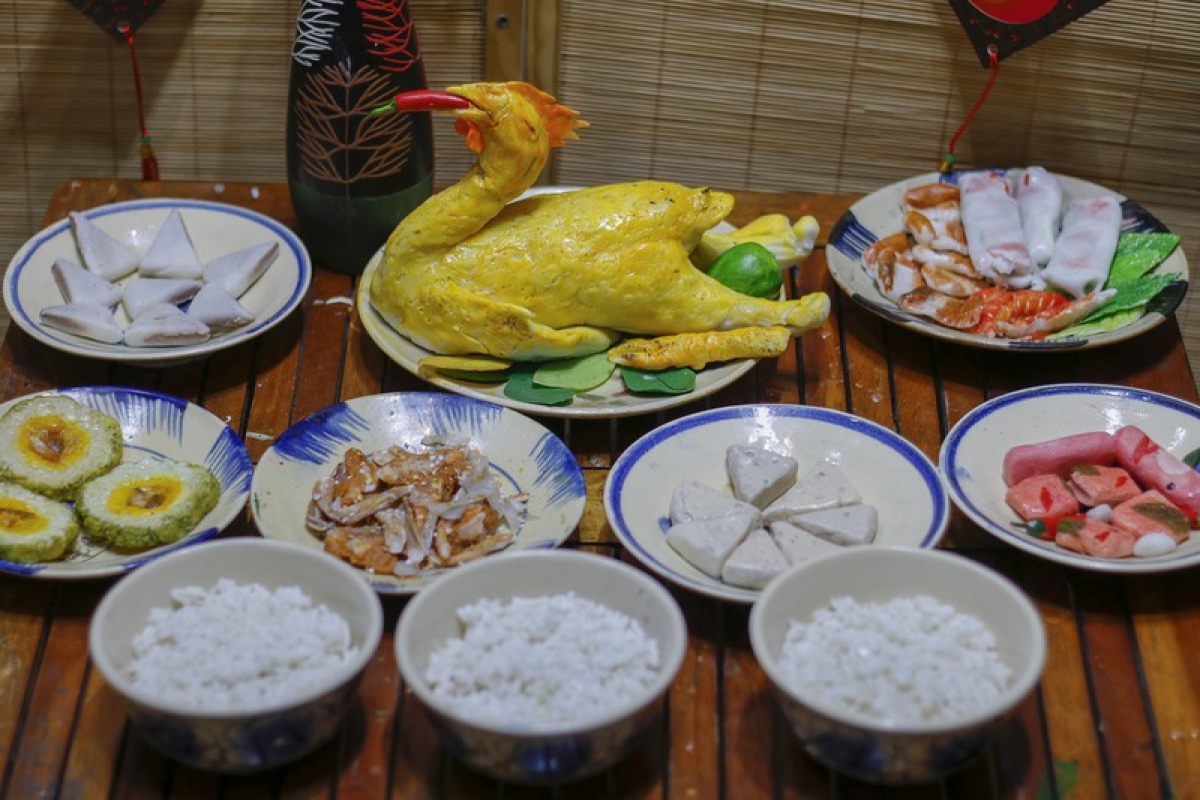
column 762, row 94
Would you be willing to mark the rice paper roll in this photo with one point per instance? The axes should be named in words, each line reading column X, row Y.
column 1039, row 199
column 995, row 240
column 1084, row 251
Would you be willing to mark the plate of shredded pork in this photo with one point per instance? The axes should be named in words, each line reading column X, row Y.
column 1010, row 259
column 156, row 281
column 405, row 486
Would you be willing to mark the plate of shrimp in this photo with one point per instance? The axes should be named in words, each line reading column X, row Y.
column 1009, row 259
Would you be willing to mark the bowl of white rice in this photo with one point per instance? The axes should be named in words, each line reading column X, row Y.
column 541, row 667
column 237, row 655
column 897, row 666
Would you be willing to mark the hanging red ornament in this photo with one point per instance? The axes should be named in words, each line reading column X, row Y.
column 120, row 19
column 115, row 16
column 1010, row 25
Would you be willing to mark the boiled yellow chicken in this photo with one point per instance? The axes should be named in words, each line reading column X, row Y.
column 556, row 275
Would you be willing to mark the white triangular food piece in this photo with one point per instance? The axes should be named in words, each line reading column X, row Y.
column 141, row 293
column 167, row 330
column 823, row 486
column 79, row 285
column 171, row 254
column 848, row 525
column 757, row 475
column 238, row 271
column 83, row 319
column 218, row 309
column 706, row 543
column 693, row 500
column 754, row 562
column 160, row 311
column 798, row 544
column 101, row 253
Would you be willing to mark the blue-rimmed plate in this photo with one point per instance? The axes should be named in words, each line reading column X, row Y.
column 216, row 229
column 889, row 472
column 524, row 456
column 880, row 214
column 154, row 425
column 973, row 453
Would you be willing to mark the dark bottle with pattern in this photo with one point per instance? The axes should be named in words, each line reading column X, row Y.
column 354, row 175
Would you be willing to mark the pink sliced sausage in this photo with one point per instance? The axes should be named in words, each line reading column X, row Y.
column 1041, row 496
column 1057, row 456
column 1151, row 512
column 1095, row 538
column 1156, row 468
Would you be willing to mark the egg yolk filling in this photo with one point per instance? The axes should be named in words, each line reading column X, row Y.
column 53, row 442
column 145, row 497
column 20, row 518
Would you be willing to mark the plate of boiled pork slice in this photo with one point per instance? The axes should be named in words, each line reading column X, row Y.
column 1092, row 476
column 156, row 281
column 1013, row 259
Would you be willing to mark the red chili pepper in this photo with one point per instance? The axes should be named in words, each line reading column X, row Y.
column 424, row 100
column 1145, row 447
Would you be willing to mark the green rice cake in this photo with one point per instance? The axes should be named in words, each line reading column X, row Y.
column 146, row 503
column 34, row 528
column 52, row 444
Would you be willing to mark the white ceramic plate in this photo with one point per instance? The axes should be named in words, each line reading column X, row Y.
column 607, row 401
column 972, row 455
column 888, row 471
column 216, row 229
column 523, row 454
column 879, row 214
column 154, row 425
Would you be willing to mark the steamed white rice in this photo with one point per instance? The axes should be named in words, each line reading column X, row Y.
column 542, row 661
column 238, row 646
column 910, row 659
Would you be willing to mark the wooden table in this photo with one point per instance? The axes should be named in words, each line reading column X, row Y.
column 1117, row 713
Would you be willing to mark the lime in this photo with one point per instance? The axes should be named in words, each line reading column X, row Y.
column 749, row 268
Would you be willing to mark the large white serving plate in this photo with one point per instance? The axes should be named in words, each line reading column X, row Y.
column 525, row 457
column 153, row 425
column 609, row 400
column 973, row 453
column 880, row 214
column 216, row 229
column 888, row 471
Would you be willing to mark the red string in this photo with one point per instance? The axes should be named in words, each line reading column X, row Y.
column 149, row 162
column 994, row 65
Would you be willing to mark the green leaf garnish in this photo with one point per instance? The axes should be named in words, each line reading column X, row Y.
column 676, row 380
column 576, row 374
column 1130, row 296
column 1138, row 253
column 520, row 386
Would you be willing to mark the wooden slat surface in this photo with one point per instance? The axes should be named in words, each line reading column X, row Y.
column 1116, row 714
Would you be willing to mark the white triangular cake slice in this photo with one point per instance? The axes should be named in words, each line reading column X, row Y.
column 706, row 543
column 101, row 253
column 218, row 309
column 754, row 562
column 79, row 285
column 141, row 293
column 238, row 271
column 165, row 325
column 798, row 544
column 172, row 254
column 848, row 525
column 693, row 500
column 823, row 486
column 88, row 320
column 758, row 475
